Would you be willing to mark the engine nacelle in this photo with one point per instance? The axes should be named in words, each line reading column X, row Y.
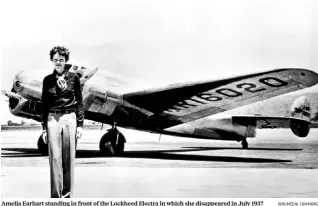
column 22, row 107
column 300, row 109
column 301, row 129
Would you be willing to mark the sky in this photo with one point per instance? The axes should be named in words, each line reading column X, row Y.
column 161, row 42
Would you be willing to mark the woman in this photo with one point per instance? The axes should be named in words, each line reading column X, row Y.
column 62, row 120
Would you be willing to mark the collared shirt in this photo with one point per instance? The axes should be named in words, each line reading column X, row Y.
column 53, row 98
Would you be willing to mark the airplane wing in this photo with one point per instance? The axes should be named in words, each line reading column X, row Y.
column 190, row 101
column 262, row 122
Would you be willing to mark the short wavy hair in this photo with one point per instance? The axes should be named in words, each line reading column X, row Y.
column 61, row 50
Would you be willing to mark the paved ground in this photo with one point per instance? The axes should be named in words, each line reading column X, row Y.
column 278, row 164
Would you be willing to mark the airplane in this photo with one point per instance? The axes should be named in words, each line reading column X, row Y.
column 191, row 109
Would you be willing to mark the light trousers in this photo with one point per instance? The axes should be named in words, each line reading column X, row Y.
column 61, row 131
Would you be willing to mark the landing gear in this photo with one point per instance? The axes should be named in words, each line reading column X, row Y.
column 42, row 147
column 244, row 144
column 112, row 143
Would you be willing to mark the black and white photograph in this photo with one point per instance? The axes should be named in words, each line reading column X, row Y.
column 159, row 99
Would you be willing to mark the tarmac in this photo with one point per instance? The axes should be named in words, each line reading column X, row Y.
column 277, row 164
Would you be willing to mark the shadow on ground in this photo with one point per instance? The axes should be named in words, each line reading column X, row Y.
column 159, row 154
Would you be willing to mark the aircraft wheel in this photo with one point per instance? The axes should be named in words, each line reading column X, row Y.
column 244, row 144
column 43, row 148
column 110, row 146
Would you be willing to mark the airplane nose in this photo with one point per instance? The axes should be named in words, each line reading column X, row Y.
column 28, row 84
column 18, row 81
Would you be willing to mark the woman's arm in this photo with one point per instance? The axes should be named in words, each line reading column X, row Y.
column 79, row 103
column 45, row 110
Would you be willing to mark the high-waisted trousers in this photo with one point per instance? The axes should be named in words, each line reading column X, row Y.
column 61, row 131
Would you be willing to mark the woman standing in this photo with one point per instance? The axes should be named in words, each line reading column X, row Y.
column 62, row 120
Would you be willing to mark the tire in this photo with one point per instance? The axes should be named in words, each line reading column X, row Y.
column 105, row 146
column 120, row 147
column 108, row 146
column 244, row 144
column 43, row 148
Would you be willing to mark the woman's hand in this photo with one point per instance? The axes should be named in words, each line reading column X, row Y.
column 79, row 132
column 44, row 136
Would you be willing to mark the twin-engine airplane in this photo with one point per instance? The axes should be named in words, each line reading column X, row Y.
column 188, row 110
